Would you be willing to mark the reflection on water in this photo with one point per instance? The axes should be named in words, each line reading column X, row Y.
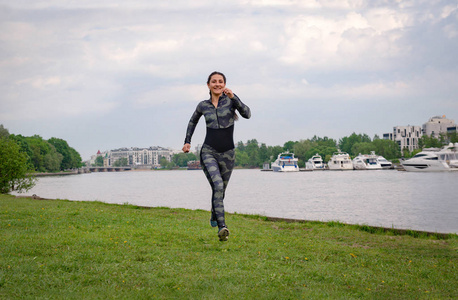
column 389, row 198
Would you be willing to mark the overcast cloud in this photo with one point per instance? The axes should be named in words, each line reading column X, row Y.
column 110, row 74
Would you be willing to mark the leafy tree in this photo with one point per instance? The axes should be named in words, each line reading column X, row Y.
column 248, row 155
column 326, row 152
column 406, row 153
column 99, row 161
column 62, row 147
column 362, row 148
column 324, row 141
column 4, row 133
column 241, row 158
column 241, row 146
column 274, row 151
column 263, row 153
column 386, row 148
column 252, row 150
column 122, row 162
column 44, row 156
column 323, row 146
column 289, row 146
column 305, row 149
column 52, row 161
column 76, row 161
column 301, row 149
column 70, row 157
column 452, row 137
column 414, row 152
column 429, row 141
column 14, row 169
column 346, row 143
column 323, row 151
column 165, row 163
column 22, row 142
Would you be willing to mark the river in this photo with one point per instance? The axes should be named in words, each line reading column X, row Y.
column 387, row 198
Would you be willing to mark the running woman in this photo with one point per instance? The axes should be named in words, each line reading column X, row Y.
column 217, row 155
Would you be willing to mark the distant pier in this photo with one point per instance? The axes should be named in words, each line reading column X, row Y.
column 84, row 170
column 107, row 169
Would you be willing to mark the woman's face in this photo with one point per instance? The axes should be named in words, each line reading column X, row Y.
column 216, row 84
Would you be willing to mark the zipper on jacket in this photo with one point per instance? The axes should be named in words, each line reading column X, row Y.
column 216, row 112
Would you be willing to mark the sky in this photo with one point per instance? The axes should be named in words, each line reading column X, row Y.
column 109, row 74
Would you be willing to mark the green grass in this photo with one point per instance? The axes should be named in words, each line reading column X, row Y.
column 57, row 249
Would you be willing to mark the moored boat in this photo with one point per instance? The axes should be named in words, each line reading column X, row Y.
column 366, row 162
column 315, row 163
column 340, row 161
column 434, row 160
column 285, row 162
column 384, row 163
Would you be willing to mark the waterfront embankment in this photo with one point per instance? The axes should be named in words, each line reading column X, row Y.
column 63, row 173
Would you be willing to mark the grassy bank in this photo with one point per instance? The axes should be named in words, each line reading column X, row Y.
column 71, row 250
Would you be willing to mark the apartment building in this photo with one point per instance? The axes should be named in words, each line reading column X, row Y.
column 405, row 136
column 136, row 157
column 437, row 125
column 408, row 136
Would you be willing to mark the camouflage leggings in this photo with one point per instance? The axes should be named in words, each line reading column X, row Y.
column 218, row 169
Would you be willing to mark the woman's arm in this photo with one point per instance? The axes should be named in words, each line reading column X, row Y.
column 191, row 127
column 243, row 109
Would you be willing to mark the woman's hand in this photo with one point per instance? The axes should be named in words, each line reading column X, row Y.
column 186, row 147
column 228, row 92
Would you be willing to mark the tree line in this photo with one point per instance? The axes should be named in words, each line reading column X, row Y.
column 253, row 154
column 21, row 157
column 51, row 155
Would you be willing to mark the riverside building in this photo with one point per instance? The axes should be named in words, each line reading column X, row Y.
column 437, row 125
column 408, row 136
column 136, row 157
column 405, row 136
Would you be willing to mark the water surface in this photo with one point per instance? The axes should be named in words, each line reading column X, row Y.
column 389, row 198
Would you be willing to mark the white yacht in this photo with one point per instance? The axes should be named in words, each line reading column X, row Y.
column 366, row 162
column 340, row 161
column 384, row 163
column 434, row 159
column 285, row 162
column 315, row 163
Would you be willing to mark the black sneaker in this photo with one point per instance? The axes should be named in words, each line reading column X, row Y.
column 223, row 234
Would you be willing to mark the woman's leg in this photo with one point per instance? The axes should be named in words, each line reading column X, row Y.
column 217, row 168
column 210, row 167
column 226, row 163
column 213, row 222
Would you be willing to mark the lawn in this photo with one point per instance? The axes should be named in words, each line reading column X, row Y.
column 59, row 249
